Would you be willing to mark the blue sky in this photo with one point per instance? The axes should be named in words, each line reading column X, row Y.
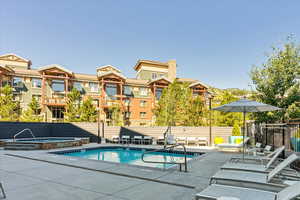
column 215, row 41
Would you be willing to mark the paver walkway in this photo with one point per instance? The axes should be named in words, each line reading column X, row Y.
column 35, row 180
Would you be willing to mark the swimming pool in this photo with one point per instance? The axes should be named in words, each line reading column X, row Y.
column 132, row 156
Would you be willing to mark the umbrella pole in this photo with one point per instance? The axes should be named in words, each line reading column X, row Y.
column 244, row 114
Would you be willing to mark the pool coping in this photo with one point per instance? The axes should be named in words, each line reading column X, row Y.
column 171, row 168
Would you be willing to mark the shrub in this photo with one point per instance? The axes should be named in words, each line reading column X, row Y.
column 236, row 131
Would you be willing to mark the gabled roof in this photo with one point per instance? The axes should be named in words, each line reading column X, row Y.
column 112, row 72
column 14, row 57
column 108, row 66
column 158, row 79
column 198, row 83
column 149, row 62
column 55, row 66
column 6, row 68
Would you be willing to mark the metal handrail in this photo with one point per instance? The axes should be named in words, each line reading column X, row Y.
column 26, row 129
column 161, row 162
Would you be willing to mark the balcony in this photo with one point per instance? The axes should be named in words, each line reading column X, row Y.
column 55, row 101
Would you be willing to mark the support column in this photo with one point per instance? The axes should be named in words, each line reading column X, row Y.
column 43, row 96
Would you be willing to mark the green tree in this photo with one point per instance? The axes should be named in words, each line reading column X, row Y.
column 32, row 112
column 174, row 105
column 72, row 113
column 116, row 116
column 197, row 112
column 88, row 112
column 236, row 131
column 9, row 109
column 276, row 82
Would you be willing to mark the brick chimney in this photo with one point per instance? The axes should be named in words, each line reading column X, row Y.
column 172, row 70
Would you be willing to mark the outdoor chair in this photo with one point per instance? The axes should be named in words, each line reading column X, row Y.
column 171, row 139
column 181, row 140
column 115, row 139
column 160, row 140
column 191, row 140
column 125, row 139
column 266, row 150
column 272, row 181
column 215, row 191
column 202, row 141
column 254, row 150
column 137, row 139
column 147, row 140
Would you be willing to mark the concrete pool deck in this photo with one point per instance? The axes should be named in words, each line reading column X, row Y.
column 39, row 175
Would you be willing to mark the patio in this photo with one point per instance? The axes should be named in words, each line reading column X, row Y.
column 38, row 175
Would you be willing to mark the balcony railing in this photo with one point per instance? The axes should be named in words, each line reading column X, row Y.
column 55, row 101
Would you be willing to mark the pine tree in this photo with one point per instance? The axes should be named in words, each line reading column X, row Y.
column 9, row 109
column 72, row 113
column 32, row 113
column 88, row 111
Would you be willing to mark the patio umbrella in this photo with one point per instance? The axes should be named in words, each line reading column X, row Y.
column 245, row 106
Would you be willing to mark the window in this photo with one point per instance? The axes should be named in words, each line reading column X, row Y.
column 161, row 75
column 96, row 102
column 143, row 91
column 6, row 82
column 111, row 90
column 143, row 103
column 78, row 86
column 58, row 113
column 127, row 91
column 143, row 115
column 195, row 94
column 94, row 87
column 58, row 86
column 158, row 93
column 36, row 83
column 127, row 114
column 143, row 124
column 127, row 102
column 154, row 75
column 17, row 82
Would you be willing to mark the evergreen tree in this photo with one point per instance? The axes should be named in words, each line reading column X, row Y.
column 88, row 111
column 276, row 82
column 32, row 113
column 9, row 109
column 72, row 113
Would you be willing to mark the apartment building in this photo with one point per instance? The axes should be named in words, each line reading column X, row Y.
column 108, row 86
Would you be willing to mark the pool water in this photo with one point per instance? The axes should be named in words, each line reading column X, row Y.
column 131, row 156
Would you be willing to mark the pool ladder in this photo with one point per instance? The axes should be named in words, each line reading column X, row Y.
column 26, row 129
column 164, row 162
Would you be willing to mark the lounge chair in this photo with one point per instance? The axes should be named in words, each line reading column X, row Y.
column 191, row 140
column 202, row 141
column 255, row 149
column 137, row 139
column 125, row 139
column 229, row 146
column 171, row 139
column 214, row 192
column 260, row 163
column 261, row 159
column 115, row 139
column 160, row 140
column 267, row 181
column 181, row 140
column 147, row 140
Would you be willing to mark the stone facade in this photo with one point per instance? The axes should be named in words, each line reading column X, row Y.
column 108, row 87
